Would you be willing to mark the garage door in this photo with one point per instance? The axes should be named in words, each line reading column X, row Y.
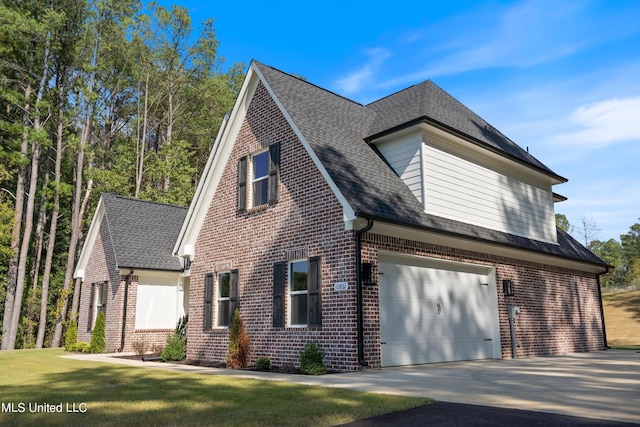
column 436, row 311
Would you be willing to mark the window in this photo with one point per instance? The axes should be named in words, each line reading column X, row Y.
column 103, row 292
column 97, row 302
column 208, row 297
column 264, row 176
column 224, row 280
column 298, row 272
column 260, row 178
column 304, row 292
column 226, row 298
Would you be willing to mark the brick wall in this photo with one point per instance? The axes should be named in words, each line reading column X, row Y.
column 101, row 266
column 306, row 221
column 560, row 307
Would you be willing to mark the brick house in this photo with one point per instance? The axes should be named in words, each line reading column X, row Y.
column 398, row 232
column 128, row 272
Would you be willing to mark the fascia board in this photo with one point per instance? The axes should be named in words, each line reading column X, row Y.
column 216, row 162
column 348, row 211
column 92, row 235
column 490, row 248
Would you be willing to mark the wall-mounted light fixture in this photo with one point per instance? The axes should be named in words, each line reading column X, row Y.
column 369, row 274
column 507, row 288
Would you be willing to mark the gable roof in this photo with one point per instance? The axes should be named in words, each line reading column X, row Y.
column 336, row 132
column 142, row 233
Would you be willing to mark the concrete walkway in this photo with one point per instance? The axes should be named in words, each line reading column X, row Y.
column 604, row 385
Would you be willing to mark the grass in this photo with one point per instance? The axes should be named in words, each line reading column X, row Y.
column 622, row 319
column 122, row 395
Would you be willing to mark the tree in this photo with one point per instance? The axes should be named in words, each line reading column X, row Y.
column 611, row 253
column 587, row 230
column 631, row 253
column 563, row 223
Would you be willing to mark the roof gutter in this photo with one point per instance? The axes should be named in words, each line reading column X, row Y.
column 473, row 238
column 359, row 308
column 127, row 281
column 604, row 329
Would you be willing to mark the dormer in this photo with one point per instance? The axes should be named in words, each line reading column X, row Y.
column 461, row 168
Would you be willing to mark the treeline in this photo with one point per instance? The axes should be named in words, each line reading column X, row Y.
column 623, row 255
column 95, row 96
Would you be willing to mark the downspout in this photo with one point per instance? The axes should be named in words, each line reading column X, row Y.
column 604, row 330
column 359, row 309
column 127, row 280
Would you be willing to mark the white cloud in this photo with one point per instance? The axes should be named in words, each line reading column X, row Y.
column 604, row 123
column 356, row 80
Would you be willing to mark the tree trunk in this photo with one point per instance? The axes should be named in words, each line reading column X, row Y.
column 53, row 227
column 143, row 138
column 12, row 274
column 24, row 249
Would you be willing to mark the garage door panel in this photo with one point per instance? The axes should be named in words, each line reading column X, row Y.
column 433, row 314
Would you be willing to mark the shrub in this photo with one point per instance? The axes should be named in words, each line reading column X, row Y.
column 174, row 350
column 82, row 347
column 263, row 363
column 140, row 347
column 156, row 348
column 312, row 359
column 238, row 355
column 97, row 336
column 71, row 336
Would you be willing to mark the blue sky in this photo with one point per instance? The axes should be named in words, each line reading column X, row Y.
column 559, row 77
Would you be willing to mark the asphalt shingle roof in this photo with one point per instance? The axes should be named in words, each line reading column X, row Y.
column 337, row 129
column 143, row 233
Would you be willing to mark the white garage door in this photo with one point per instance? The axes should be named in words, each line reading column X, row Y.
column 436, row 311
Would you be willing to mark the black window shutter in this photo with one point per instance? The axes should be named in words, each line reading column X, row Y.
column 274, row 171
column 208, row 296
column 92, row 297
column 242, row 184
column 233, row 295
column 314, row 303
column 279, row 269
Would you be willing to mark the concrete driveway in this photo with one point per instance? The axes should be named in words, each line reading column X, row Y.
column 604, row 385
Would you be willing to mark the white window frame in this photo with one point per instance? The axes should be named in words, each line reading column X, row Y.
column 260, row 179
column 293, row 293
column 220, row 299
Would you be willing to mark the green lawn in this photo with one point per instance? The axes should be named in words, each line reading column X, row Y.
column 622, row 319
column 121, row 395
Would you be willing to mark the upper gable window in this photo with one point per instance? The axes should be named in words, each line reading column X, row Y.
column 260, row 178
column 260, row 172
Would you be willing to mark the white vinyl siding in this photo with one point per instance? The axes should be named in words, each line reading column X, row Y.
column 465, row 191
column 404, row 157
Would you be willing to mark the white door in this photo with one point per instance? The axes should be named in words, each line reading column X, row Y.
column 435, row 311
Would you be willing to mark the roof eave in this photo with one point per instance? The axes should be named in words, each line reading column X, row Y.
column 430, row 121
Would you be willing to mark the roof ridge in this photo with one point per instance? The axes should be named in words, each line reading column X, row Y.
column 402, row 90
column 310, row 83
column 134, row 199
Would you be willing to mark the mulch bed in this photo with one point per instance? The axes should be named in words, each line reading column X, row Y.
column 285, row 369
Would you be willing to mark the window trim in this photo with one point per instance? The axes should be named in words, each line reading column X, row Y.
column 220, row 299
column 263, row 178
column 293, row 293
column 246, row 179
